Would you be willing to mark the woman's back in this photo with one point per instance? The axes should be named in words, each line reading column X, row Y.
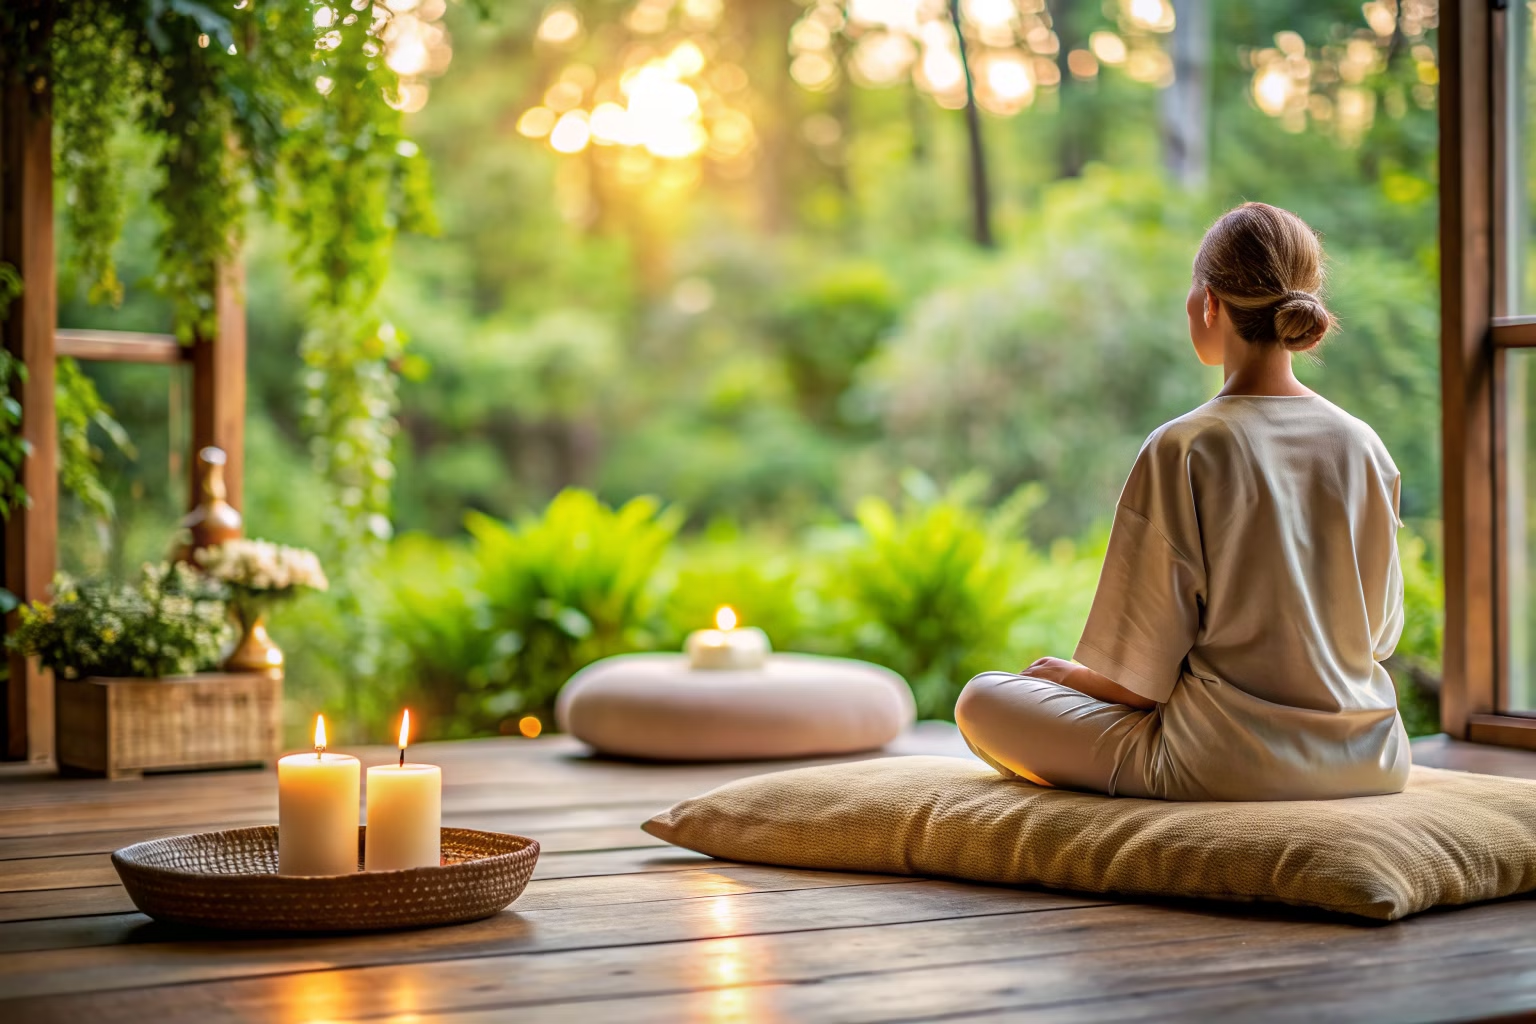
column 1277, row 517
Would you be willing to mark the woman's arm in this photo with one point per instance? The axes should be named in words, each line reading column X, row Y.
column 1086, row 681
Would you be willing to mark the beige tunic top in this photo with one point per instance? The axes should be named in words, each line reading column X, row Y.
column 1252, row 588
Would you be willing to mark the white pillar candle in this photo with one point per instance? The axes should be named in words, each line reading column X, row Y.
column 405, row 813
column 727, row 646
column 317, row 811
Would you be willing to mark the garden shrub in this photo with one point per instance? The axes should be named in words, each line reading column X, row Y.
column 559, row 590
column 933, row 589
column 770, row 584
column 827, row 330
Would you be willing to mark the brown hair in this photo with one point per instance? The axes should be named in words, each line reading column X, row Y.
column 1267, row 266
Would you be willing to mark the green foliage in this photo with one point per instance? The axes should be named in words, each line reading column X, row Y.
column 827, row 330
column 1383, row 364
column 1415, row 666
column 934, row 587
column 14, row 448
column 767, row 583
column 450, row 653
column 351, row 180
column 79, row 407
column 94, row 89
column 1055, row 363
column 171, row 622
column 550, row 593
column 263, row 94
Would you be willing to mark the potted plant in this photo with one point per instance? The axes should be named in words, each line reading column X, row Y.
column 259, row 574
column 133, row 690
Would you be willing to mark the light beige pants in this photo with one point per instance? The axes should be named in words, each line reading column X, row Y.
column 1052, row 734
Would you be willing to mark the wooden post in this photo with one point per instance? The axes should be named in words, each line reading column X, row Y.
column 26, row 241
column 1467, row 169
column 218, row 386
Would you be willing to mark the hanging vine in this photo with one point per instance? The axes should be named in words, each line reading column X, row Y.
column 290, row 100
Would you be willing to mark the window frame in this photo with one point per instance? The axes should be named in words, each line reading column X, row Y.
column 1477, row 122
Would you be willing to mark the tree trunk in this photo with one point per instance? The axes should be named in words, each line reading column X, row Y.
column 1185, row 105
column 981, row 198
column 1072, row 115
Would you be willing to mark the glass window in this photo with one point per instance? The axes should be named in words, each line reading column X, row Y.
column 1520, row 253
column 1519, row 561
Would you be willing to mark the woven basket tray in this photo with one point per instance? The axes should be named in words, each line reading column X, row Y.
column 229, row 880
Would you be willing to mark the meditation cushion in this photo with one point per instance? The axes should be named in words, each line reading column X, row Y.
column 654, row 706
column 1450, row 838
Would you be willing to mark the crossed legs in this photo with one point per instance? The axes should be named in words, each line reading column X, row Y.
column 1052, row 734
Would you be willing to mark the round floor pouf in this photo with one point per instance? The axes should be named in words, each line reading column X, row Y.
column 654, row 706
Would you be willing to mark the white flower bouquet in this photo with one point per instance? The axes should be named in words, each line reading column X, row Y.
column 259, row 571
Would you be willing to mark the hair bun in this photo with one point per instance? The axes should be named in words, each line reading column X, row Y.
column 1301, row 320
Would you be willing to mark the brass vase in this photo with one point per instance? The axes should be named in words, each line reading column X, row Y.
column 255, row 651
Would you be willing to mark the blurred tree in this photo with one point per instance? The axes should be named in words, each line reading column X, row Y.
column 828, row 330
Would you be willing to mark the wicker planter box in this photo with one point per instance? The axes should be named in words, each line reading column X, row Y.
column 122, row 728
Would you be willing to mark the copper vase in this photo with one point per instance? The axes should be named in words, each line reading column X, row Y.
column 213, row 520
column 255, row 651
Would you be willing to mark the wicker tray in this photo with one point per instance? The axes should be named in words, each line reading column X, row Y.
column 229, row 880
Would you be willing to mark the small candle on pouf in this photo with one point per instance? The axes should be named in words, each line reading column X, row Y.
column 317, row 811
column 726, row 646
column 405, row 813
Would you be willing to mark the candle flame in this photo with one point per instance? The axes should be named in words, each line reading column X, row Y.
column 405, row 728
column 725, row 618
column 319, row 733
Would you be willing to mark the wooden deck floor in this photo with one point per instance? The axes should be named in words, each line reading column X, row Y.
column 616, row 926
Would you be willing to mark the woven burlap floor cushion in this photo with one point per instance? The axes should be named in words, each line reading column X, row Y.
column 1450, row 838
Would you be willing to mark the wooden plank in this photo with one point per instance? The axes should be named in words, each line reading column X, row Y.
column 48, row 904
column 1466, row 309
column 121, row 347
column 1088, row 963
column 126, row 951
column 26, row 241
column 218, row 385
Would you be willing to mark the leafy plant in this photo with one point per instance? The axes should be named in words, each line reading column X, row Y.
column 78, row 407
column 448, row 648
column 171, row 622
column 544, row 596
column 933, row 586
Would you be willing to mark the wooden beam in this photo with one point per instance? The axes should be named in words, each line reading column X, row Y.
column 1466, row 311
column 121, row 347
column 218, row 385
column 26, row 241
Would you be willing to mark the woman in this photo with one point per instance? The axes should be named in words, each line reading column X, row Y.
column 1251, row 588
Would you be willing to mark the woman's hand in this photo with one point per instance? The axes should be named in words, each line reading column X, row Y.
column 1056, row 670
column 1086, row 681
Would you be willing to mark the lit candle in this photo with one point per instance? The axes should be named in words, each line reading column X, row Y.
column 317, row 811
column 726, row 646
column 405, row 813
